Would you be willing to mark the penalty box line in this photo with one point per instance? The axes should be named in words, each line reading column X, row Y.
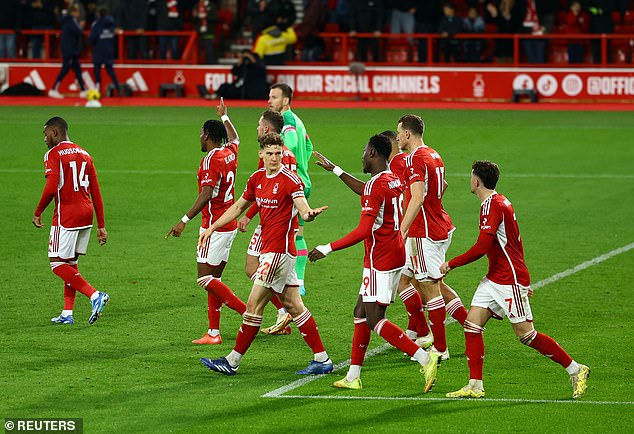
column 281, row 391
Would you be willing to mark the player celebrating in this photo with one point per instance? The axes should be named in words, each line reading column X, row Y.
column 216, row 177
column 383, row 260
column 270, row 122
column 297, row 140
column 280, row 195
column 72, row 180
column 424, row 225
column 505, row 289
column 396, row 164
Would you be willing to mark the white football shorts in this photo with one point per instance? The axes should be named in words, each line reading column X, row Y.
column 423, row 258
column 276, row 271
column 379, row 286
column 216, row 249
column 255, row 245
column 66, row 244
column 503, row 300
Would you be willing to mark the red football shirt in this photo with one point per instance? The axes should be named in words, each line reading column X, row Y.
column 425, row 165
column 76, row 172
column 218, row 170
column 506, row 254
column 274, row 196
column 384, row 249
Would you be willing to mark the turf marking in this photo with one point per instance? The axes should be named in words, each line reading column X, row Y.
column 357, row 174
column 480, row 400
column 280, row 391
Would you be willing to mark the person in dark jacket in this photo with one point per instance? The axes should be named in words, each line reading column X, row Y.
column 249, row 79
column 168, row 18
column 206, row 14
column 600, row 22
column 366, row 17
column 102, row 40
column 449, row 26
column 10, row 19
column 41, row 17
column 132, row 17
column 71, row 46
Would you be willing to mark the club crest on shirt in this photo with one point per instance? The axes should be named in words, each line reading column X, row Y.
column 275, row 187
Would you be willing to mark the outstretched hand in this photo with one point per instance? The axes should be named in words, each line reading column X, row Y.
column 37, row 221
column 221, row 109
column 177, row 230
column 310, row 215
column 315, row 255
column 323, row 161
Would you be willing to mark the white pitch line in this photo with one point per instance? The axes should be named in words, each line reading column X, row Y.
column 279, row 392
column 480, row 400
column 357, row 174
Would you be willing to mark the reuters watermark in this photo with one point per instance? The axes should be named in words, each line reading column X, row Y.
column 33, row 425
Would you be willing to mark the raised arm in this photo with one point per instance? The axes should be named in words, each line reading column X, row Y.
column 221, row 110
column 353, row 183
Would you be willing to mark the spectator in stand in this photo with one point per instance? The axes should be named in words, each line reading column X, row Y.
column 449, row 26
column 366, row 16
column 532, row 25
column 315, row 18
column 132, row 17
column 10, row 19
column 168, row 19
column 103, row 44
column 576, row 23
column 472, row 23
column 508, row 20
column 286, row 14
column 206, row 15
column 272, row 45
column 600, row 22
column 403, row 16
column 249, row 79
column 262, row 13
column 112, row 6
column 41, row 17
column 71, row 36
column 342, row 15
column 428, row 14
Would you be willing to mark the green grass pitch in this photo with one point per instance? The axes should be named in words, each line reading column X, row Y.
column 570, row 176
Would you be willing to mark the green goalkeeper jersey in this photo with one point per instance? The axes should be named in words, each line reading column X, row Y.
column 296, row 139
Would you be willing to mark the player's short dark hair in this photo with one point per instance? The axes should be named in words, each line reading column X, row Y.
column 412, row 123
column 381, row 144
column 287, row 91
column 271, row 139
column 57, row 122
column 216, row 131
column 389, row 134
column 274, row 119
column 487, row 171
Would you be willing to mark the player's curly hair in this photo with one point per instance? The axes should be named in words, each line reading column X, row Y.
column 487, row 171
column 413, row 123
column 389, row 134
column 271, row 139
column 216, row 131
column 381, row 144
column 274, row 119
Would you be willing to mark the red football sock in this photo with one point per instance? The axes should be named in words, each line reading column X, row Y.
column 437, row 313
column 457, row 310
column 360, row 341
column 423, row 327
column 223, row 293
column 213, row 311
column 72, row 277
column 414, row 306
column 475, row 349
column 276, row 302
column 395, row 336
column 308, row 328
column 247, row 333
column 69, row 297
column 549, row 348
